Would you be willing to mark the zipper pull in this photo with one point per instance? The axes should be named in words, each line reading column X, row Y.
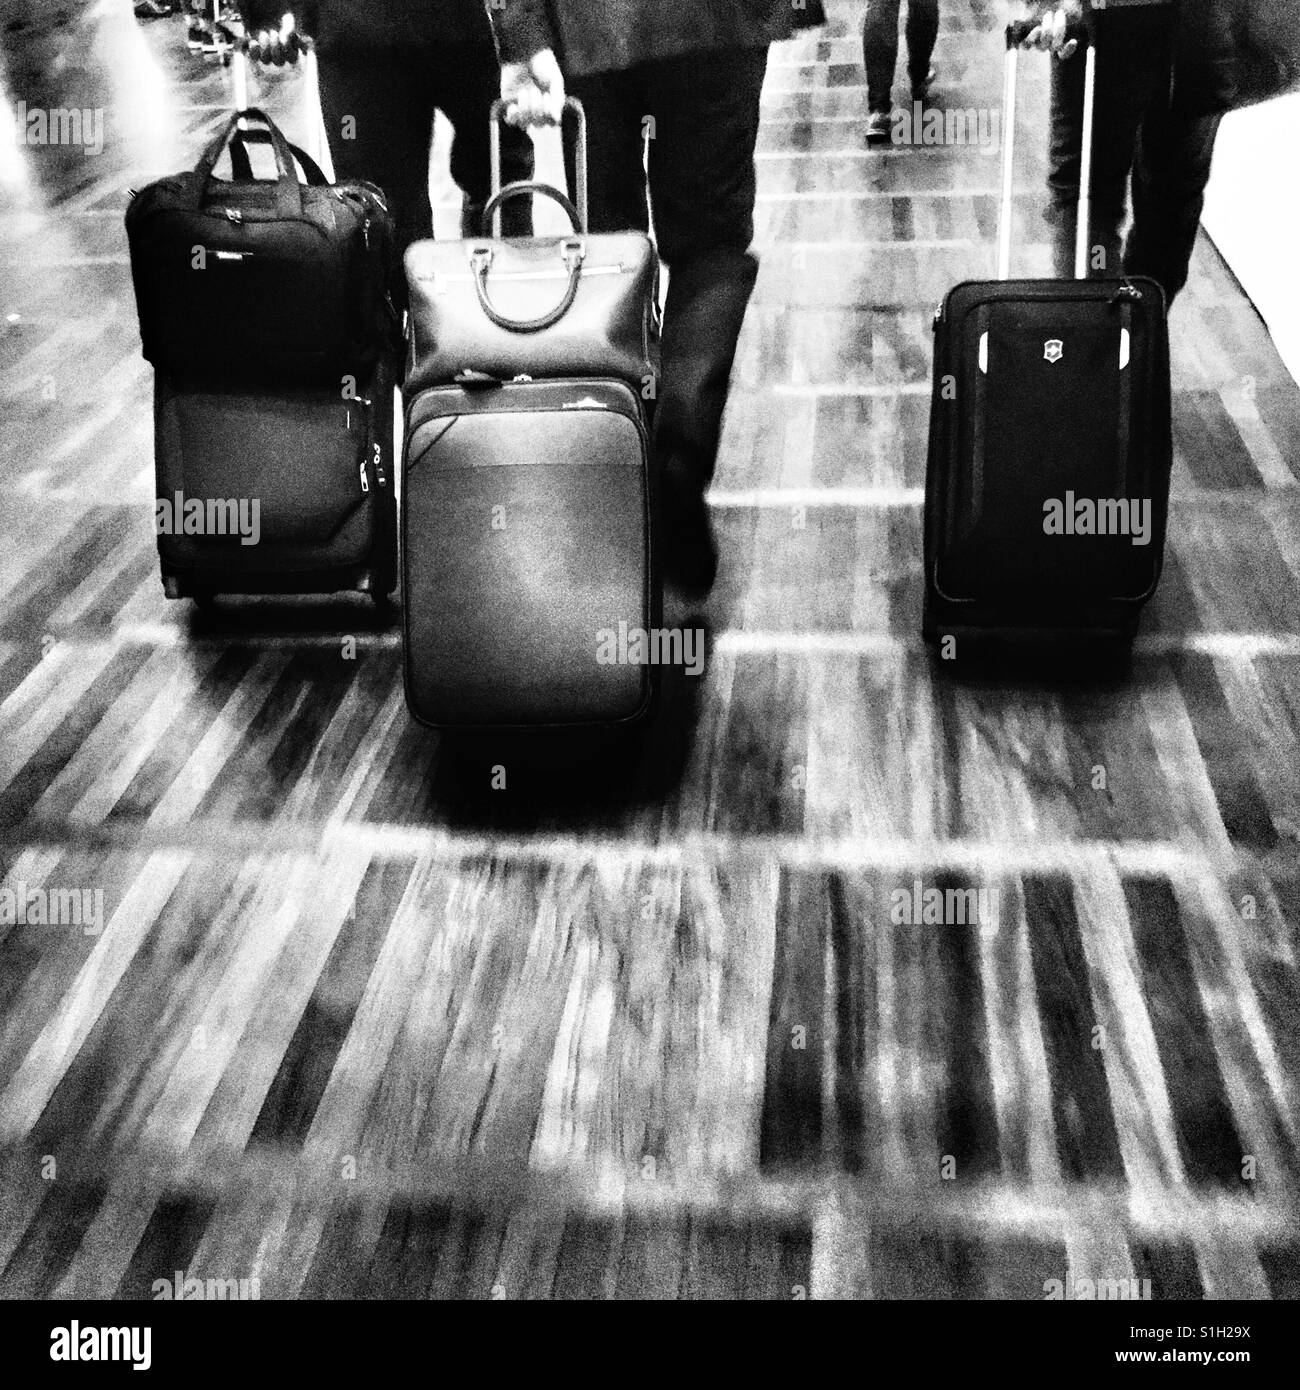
column 365, row 478
column 380, row 475
column 365, row 233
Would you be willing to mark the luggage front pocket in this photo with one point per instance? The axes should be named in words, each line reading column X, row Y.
column 293, row 467
column 526, row 525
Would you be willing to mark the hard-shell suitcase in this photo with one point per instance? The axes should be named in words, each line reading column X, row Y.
column 1047, row 481
column 527, row 554
column 268, row 485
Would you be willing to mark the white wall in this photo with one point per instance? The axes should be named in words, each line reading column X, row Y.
column 1252, row 213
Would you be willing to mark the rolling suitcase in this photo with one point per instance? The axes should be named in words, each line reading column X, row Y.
column 269, row 483
column 275, row 491
column 1047, row 480
column 527, row 558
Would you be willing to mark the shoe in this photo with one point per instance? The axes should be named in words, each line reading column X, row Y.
column 152, row 9
column 921, row 90
column 879, row 128
column 688, row 552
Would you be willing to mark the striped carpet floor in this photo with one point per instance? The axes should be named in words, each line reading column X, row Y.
column 343, row 1018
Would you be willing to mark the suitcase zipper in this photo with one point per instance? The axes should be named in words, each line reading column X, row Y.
column 380, row 478
column 587, row 271
column 377, row 454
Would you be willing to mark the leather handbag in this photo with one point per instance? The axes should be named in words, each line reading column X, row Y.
column 497, row 309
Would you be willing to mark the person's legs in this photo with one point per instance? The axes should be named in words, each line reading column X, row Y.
column 703, row 186
column 880, row 52
column 1169, row 179
column 922, row 33
column 466, row 80
column 616, row 109
column 378, row 110
column 1133, row 68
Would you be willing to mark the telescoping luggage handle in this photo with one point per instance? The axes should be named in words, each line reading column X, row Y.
column 1084, row 32
column 571, row 104
column 313, row 122
column 573, row 249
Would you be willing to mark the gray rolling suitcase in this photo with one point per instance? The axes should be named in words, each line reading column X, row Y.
column 527, row 554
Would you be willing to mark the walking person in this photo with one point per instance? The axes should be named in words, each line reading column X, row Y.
column 880, row 58
column 1167, row 72
column 690, row 78
column 385, row 67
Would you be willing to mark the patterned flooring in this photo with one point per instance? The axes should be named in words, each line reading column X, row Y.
column 355, row 1024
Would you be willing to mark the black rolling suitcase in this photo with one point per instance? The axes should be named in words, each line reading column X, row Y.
column 274, row 370
column 1047, row 482
column 527, row 558
column 284, row 490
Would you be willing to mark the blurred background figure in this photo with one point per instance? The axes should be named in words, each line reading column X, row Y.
column 880, row 57
column 1166, row 75
column 678, row 85
column 386, row 66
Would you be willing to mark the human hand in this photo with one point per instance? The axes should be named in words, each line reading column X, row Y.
column 533, row 91
column 276, row 46
column 1049, row 34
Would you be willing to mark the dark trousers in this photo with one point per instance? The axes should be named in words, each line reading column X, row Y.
column 701, row 111
column 880, row 46
column 1139, row 135
column 379, row 106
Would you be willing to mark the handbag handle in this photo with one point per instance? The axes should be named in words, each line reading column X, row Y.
column 242, row 169
column 573, row 252
column 288, row 189
column 526, row 189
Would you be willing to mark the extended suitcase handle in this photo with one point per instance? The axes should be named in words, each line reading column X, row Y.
column 571, row 104
column 1084, row 31
column 297, row 43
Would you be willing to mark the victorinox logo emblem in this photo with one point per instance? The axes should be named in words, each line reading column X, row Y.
column 1053, row 349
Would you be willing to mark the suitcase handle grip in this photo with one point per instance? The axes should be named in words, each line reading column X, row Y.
column 573, row 251
column 1020, row 29
column 580, row 192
